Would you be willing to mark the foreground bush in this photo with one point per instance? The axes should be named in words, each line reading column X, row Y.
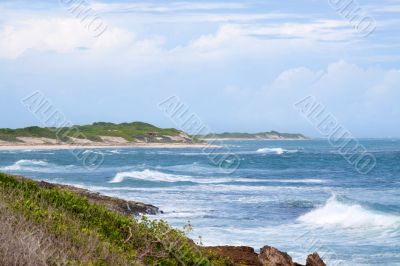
column 55, row 226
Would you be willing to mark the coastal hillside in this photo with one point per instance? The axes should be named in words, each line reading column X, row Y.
column 261, row 135
column 48, row 224
column 45, row 224
column 99, row 133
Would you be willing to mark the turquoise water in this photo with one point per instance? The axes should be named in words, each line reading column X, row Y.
column 299, row 196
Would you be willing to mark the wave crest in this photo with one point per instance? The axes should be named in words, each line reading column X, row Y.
column 26, row 165
column 39, row 166
column 337, row 213
column 149, row 175
column 275, row 150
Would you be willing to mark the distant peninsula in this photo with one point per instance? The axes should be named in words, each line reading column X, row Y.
column 271, row 135
column 100, row 134
column 135, row 134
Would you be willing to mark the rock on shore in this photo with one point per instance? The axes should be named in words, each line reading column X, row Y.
column 115, row 204
column 269, row 256
column 125, row 207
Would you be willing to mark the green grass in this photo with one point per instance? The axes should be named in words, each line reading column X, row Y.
column 128, row 131
column 91, row 234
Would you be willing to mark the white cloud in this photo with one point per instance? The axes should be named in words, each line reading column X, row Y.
column 358, row 96
column 162, row 8
column 65, row 35
column 320, row 30
column 270, row 40
column 230, row 40
column 324, row 30
column 301, row 77
column 208, row 17
column 365, row 100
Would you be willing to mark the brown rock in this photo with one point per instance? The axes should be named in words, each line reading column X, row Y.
column 270, row 256
column 239, row 255
column 125, row 207
column 315, row 260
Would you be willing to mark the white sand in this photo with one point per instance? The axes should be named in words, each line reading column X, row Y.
column 77, row 146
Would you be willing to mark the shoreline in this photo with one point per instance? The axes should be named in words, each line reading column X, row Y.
column 134, row 145
column 237, row 139
column 4, row 146
column 234, row 255
column 126, row 207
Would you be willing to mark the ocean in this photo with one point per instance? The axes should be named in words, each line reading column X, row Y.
column 298, row 196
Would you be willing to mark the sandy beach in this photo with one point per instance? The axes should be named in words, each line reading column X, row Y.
column 136, row 145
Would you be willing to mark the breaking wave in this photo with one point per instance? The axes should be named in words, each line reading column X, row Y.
column 275, row 150
column 156, row 176
column 38, row 166
column 150, row 175
column 26, row 165
column 337, row 213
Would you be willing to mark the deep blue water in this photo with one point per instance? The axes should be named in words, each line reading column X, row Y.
column 299, row 196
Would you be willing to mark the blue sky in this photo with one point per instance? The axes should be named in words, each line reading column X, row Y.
column 239, row 65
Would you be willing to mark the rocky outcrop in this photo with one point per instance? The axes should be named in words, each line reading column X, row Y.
column 239, row 255
column 115, row 204
column 269, row 256
column 314, row 260
column 272, row 256
column 125, row 207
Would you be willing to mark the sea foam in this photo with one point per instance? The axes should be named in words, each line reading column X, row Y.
column 156, row 176
column 275, row 150
column 149, row 175
column 337, row 213
column 26, row 165
column 39, row 166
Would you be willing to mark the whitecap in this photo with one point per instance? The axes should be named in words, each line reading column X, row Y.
column 38, row 166
column 275, row 150
column 92, row 151
column 149, row 175
column 157, row 176
column 337, row 213
column 26, row 165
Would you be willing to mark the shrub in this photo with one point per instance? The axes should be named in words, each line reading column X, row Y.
column 87, row 226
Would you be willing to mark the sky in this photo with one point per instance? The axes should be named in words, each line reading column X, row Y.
column 238, row 65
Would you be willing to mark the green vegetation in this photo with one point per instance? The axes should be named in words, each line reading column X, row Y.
column 128, row 131
column 261, row 135
column 136, row 131
column 12, row 134
column 61, row 227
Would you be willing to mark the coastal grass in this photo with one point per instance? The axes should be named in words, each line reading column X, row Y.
column 128, row 131
column 54, row 226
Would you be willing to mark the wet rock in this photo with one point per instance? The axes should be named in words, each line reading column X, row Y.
column 270, row 256
column 315, row 260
